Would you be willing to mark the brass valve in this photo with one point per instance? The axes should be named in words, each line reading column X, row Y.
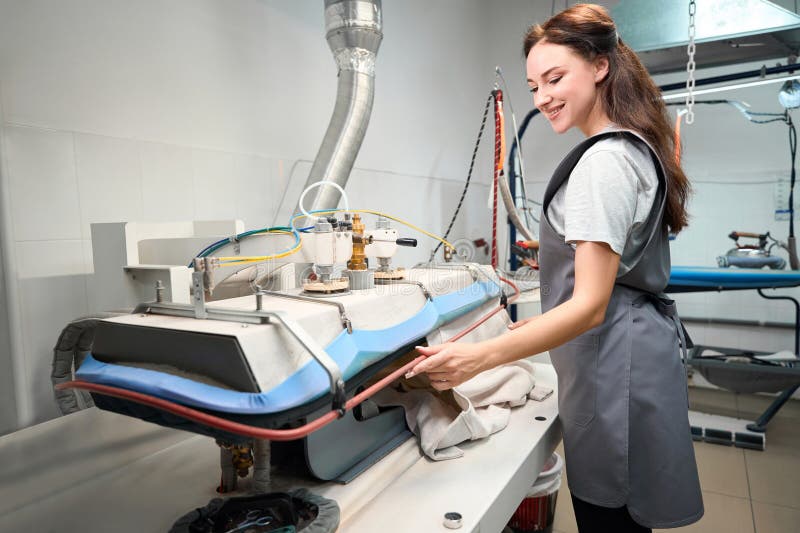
column 357, row 262
column 241, row 457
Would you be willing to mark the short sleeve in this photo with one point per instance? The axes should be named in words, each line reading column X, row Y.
column 600, row 199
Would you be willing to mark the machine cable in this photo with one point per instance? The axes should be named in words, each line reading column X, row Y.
column 753, row 116
column 292, row 230
column 469, row 177
column 74, row 342
column 499, row 148
column 513, row 162
column 794, row 264
column 211, row 248
column 390, row 217
column 513, row 157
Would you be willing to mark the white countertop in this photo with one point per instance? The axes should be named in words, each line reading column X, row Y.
column 96, row 471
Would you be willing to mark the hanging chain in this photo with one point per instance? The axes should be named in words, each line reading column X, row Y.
column 690, row 65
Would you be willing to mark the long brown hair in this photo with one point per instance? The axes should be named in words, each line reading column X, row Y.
column 631, row 98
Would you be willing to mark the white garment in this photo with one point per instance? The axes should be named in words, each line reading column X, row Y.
column 485, row 401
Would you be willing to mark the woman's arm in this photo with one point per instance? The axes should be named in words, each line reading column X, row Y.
column 596, row 265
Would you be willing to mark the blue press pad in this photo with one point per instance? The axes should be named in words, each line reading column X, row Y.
column 731, row 278
column 352, row 352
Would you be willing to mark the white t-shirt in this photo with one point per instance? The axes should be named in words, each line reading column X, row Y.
column 608, row 196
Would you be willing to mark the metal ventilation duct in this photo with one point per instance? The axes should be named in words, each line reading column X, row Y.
column 354, row 35
column 727, row 32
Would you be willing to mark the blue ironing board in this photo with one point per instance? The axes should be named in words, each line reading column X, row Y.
column 699, row 279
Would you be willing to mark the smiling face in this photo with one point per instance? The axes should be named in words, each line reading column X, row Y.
column 564, row 87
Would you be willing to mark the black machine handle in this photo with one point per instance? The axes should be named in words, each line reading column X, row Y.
column 405, row 241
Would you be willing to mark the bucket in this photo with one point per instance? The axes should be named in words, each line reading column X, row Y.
column 537, row 510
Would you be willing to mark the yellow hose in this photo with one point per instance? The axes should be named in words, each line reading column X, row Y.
column 240, row 260
column 378, row 213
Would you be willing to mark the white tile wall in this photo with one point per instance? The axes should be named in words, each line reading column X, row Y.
column 88, row 260
column 47, row 259
column 441, row 100
column 778, row 311
column 8, row 406
column 216, row 184
column 762, row 339
column 52, row 290
column 697, row 332
column 47, row 305
column 256, row 197
column 724, row 335
column 43, row 185
column 183, row 72
column 291, row 179
column 767, row 339
column 109, row 180
column 167, row 182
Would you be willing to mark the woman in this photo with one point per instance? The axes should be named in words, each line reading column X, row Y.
column 613, row 337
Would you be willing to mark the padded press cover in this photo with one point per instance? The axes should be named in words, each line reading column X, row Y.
column 352, row 352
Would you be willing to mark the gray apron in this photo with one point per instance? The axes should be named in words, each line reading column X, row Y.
column 622, row 393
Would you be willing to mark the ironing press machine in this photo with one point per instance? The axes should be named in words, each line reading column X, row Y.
column 271, row 366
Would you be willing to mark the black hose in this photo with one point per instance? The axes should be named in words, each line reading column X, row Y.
column 760, row 73
column 775, row 117
column 793, row 152
column 469, row 176
column 512, row 176
column 512, row 171
column 791, row 242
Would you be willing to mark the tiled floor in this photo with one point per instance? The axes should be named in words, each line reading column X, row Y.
column 744, row 491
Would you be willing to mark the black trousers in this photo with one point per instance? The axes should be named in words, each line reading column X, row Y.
column 595, row 519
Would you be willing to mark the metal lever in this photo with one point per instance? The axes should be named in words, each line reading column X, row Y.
column 321, row 356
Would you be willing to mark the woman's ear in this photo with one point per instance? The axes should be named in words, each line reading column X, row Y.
column 600, row 68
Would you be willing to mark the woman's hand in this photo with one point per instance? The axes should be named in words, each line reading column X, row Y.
column 449, row 365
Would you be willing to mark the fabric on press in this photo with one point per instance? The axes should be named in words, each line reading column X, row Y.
column 483, row 407
column 476, row 409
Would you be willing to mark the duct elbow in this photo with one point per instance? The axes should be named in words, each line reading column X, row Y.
column 353, row 32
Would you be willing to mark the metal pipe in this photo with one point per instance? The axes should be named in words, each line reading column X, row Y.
column 261, row 466
column 796, row 316
column 354, row 34
column 346, row 324
column 19, row 367
column 228, row 479
column 760, row 73
column 714, row 321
